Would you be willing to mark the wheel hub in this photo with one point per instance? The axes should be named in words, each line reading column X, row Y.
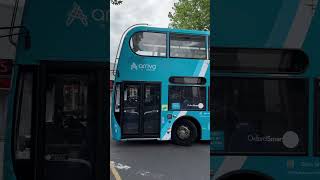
column 183, row 132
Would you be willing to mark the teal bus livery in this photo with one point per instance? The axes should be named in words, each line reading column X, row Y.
column 265, row 100
column 161, row 86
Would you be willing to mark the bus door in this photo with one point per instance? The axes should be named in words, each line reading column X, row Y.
column 141, row 110
column 60, row 128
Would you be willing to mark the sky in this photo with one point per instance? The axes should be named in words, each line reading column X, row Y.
column 130, row 12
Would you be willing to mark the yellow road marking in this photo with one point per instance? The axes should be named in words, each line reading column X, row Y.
column 115, row 172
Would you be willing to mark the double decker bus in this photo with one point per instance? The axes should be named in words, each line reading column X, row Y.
column 161, row 86
column 56, row 112
column 266, row 77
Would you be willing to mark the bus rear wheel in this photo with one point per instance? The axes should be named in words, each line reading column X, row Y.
column 184, row 132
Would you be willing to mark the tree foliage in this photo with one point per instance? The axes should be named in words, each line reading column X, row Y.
column 190, row 14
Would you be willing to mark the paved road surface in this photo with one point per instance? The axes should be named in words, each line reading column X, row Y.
column 154, row 160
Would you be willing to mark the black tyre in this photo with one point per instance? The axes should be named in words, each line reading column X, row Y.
column 184, row 133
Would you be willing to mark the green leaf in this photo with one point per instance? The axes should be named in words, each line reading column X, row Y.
column 190, row 14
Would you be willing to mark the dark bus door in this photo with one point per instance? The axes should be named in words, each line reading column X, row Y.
column 140, row 110
column 61, row 126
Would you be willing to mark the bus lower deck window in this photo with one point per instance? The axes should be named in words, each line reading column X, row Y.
column 187, row 98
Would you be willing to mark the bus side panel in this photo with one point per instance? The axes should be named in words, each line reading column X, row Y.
column 244, row 23
column 257, row 28
column 294, row 168
column 116, row 130
column 204, row 120
column 138, row 68
column 63, row 32
column 201, row 117
column 288, row 167
column 165, row 123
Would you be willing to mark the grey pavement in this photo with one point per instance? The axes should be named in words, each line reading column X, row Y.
column 158, row 160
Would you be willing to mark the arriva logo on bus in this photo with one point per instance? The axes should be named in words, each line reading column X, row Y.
column 290, row 139
column 143, row 67
column 77, row 13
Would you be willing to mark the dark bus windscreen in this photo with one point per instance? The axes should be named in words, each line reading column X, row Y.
column 246, row 111
column 259, row 115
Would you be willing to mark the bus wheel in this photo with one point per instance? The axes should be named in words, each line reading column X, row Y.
column 184, row 133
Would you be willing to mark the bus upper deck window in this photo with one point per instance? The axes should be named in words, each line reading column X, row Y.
column 256, row 60
column 188, row 46
column 149, row 44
